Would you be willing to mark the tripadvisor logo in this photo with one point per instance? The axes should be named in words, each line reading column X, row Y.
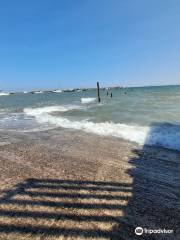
column 139, row 231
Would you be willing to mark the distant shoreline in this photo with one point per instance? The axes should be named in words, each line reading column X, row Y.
column 86, row 89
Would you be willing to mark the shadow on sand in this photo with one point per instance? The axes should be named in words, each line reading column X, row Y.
column 65, row 195
column 152, row 202
column 155, row 201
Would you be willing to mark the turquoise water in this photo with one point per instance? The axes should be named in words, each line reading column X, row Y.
column 128, row 114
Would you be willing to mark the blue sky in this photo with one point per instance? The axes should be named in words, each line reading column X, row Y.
column 73, row 43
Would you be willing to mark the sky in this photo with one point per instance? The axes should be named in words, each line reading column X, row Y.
column 47, row 44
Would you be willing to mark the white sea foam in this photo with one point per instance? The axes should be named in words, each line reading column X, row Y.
column 4, row 93
column 88, row 100
column 134, row 133
column 57, row 91
column 164, row 135
column 38, row 111
column 38, row 92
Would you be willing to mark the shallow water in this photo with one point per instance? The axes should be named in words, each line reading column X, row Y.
column 132, row 113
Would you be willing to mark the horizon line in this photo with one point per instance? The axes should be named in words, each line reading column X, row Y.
column 101, row 86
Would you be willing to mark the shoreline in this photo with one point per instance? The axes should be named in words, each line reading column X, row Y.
column 67, row 184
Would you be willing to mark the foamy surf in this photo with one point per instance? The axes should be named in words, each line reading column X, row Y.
column 38, row 92
column 131, row 133
column 165, row 135
column 50, row 109
column 88, row 100
column 57, row 91
column 4, row 94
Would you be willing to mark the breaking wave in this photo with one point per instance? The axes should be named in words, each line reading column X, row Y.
column 57, row 91
column 88, row 100
column 42, row 110
column 4, row 94
column 38, row 92
column 164, row 135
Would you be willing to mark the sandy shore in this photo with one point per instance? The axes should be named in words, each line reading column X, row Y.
column 63, row 184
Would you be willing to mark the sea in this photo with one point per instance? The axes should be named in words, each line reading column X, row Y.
column 144, row 115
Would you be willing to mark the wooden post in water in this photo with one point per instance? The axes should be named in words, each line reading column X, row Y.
column 99, row 99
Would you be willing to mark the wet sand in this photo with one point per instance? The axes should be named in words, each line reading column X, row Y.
column 64, row 184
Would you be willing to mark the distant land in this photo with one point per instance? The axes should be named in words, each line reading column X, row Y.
column 60, row 90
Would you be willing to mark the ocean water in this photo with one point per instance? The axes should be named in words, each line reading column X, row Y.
column 148, row 115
